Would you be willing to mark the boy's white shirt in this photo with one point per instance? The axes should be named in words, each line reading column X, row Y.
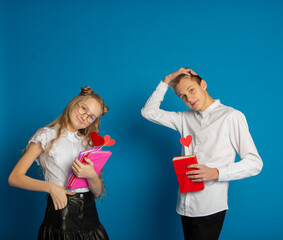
column 218, row 134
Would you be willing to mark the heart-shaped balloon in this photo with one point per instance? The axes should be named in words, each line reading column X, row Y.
column 186, row 141
column 96, row 139
column 108, row 141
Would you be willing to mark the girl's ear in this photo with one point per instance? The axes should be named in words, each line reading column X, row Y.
column 203, row 84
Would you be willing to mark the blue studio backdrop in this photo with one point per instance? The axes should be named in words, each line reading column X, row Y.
column 122, row 49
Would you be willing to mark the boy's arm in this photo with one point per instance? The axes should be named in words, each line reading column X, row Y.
column 152, row 112
column 180, row 71
column 250, row 163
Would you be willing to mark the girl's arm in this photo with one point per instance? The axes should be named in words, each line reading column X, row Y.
column 18, row 178
column 95, row 185
column 87, row 171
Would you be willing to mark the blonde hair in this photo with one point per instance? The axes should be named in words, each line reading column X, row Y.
column 177, row 80
column 62, row 121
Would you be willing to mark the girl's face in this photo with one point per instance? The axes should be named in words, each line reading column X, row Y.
column 83, row 114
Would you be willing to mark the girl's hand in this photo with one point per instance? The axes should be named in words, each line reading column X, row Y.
column 87, row 171
column 202, row 174
column 59, row 196
column 173, row 75
column 84, row 170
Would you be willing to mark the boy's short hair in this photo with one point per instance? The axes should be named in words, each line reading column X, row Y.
column 176, row 80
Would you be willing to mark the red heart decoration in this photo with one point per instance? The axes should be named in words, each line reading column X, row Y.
column 186, row 141
column 96, row 139
column 108, row 141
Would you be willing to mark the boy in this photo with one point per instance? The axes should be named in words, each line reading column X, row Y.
column 219, row 132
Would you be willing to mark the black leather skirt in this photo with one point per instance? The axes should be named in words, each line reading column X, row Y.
column 78, row 220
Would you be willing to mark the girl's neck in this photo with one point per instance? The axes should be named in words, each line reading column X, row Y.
column 70, row 128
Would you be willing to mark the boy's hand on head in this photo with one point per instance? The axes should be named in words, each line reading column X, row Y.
column 202, row 173
column 175, row 74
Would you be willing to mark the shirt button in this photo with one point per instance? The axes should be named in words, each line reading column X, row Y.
column 81, row 196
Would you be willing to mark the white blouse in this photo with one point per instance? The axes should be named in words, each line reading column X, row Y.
column 57, row 162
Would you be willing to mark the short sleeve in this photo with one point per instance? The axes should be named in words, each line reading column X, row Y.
column 43, row 136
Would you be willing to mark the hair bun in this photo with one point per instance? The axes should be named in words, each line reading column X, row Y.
column 86, row 91
column 105, row 109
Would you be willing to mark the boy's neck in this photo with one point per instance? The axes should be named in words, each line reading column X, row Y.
column 208, row 103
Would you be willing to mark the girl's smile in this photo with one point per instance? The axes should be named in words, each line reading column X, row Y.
column 78, row 119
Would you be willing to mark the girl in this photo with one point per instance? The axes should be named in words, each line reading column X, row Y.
column 69, row 214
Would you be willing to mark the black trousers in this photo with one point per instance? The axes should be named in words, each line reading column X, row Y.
column 203, row 228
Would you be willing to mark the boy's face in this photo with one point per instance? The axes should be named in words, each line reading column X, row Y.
column 193, row 95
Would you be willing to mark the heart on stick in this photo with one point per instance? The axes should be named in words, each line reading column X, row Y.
column 108, row 141
column 96, row 139
column 186, row 141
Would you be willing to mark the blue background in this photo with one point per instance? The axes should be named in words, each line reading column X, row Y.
column 122, row 49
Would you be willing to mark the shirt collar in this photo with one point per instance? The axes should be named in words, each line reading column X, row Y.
column 209, row 109
column 72, row 136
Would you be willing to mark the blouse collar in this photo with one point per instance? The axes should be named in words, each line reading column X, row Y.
column 72, row 136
